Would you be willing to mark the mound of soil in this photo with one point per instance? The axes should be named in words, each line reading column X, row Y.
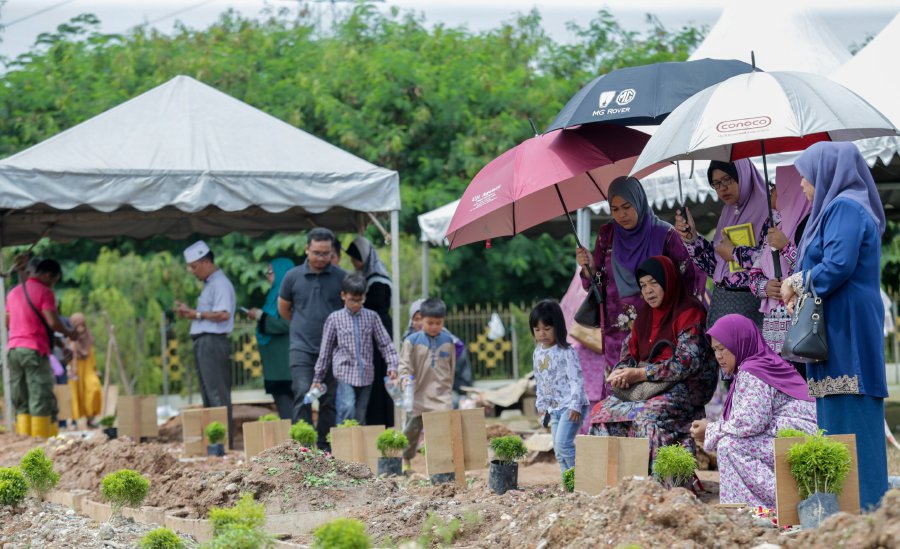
column 875, row 530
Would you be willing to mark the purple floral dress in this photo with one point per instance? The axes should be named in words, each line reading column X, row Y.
column 744, row 445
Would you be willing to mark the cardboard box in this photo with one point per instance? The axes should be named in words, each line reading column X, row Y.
column 193, row 424
column 262, row 435
column 357, row 444
column 787, row 494
column 137, row 416
column 602, row 461
column 455, row 442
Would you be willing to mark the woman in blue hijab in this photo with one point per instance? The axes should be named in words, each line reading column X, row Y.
column 273, row 340
column 841, row 255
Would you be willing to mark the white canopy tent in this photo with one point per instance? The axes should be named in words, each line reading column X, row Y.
column 182, row 159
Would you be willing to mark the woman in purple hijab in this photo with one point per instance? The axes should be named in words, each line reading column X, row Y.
column 634, row 235
column 767, row 395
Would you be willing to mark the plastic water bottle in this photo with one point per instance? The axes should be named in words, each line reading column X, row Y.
column 408, row 393
column 314, row 394
column 393, row 390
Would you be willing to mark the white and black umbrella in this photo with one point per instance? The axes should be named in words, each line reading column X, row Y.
column 762, row 112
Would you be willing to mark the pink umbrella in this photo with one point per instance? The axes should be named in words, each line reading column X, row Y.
column 543, row 178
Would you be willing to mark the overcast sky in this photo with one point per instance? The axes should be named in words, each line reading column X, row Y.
column 25, row 19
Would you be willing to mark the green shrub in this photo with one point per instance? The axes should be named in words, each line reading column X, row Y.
column 13, row 486
column 569, row 480
column 269, row 417
column 508, row 449
column 124, row 487
column 790, row 433
column 391, row 443
column 305, row 434
column 239, row 536
column 161, row 538
column 342, row 533
column 674, row 466
column 215, row 432
column 107, row 421
column 344, row 424
column 819, row 464
column 39, row 473
column 246, row 512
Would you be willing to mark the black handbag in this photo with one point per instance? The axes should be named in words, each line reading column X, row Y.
column 806, row 339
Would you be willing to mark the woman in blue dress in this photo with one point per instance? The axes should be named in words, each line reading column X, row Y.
column 841, row 254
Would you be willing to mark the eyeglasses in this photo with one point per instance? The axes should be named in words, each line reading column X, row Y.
column 723, row 183
column 321, row 254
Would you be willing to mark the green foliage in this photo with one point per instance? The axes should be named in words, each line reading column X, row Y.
column 819, row 464
column 124, row 488
column 787, row 432
column 508, row 449
column 161, row 538
column 342, row 533
column 38, row 471
column 13, row 486
column 240, row 536
column 269, row 417
column 246, row 512
column 304, row 433
column 442, row 533
column 674, row 466
column 215, row 432
column 107, row 421
column 391, row 443
column 568, row 480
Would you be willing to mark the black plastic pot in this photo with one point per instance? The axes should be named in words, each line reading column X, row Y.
column 503, row 477
column 816, row 508
column 111, row 432
column 217, row 450
column 443, row 478
column 392, row 467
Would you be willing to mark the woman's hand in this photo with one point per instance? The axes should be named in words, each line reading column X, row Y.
column 788, row 295
column 255, row 313
column 686, row 227
column 574, row 416
column 626, row 377
column 777, row 239
column 725, row 248
column 583, row 257
column 698, row 429
column 773, row 289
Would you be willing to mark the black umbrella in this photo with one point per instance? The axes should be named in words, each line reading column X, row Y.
column 645, row 95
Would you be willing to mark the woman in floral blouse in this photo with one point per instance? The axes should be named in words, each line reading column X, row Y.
column 634, row 235
column 667, row 344
column 740, row 186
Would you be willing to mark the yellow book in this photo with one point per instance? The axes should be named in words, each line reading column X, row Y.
column 740, row 235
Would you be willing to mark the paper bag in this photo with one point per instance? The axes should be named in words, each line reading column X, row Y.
column 602, row 461
column 262, row 435
column 194, row 422
column 357, row 444
column 787, row 494
column 63, row 394
column 137, row 416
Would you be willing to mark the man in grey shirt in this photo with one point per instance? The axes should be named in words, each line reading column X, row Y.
column 211, row 323
column 309, row 293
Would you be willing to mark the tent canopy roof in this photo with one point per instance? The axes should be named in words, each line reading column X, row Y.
column 184, row 158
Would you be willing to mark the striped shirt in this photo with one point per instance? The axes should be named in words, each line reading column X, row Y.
column 348, row 341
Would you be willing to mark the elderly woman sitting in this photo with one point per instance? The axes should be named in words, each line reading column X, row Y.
column 767, row 395
column 667, row 348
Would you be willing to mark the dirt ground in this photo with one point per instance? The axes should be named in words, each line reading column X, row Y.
column 539, row 514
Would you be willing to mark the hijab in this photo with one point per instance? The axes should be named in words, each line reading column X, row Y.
column 413, row 309
column 752, row 206
column 742, row 337
column 793, row 207
column 631, row 247
column 837, row 170
column 678, row 311
column 373, row 268
column 280, row 267
column 85, row 342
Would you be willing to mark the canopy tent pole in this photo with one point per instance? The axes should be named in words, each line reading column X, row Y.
column 425, row 247
column 4, row 341
column 395, row 274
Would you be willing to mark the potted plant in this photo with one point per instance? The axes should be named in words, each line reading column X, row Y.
column 820, row 466
column 107, row 423
column 215, row 433
column 269, row 417
column 674, row 466
column 568, row 480
column 391, row 444
column 504, row 473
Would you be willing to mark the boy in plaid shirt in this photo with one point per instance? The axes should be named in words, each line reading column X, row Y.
column 347, row 346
